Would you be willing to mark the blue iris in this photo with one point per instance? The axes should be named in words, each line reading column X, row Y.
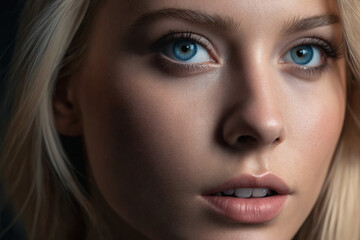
column 302, row 55
column 184, row 50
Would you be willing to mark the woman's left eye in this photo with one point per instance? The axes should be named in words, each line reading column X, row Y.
column 304, row 55
column 186, row 51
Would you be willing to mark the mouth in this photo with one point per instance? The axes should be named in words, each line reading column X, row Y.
column 249, row 199
column 247, row 193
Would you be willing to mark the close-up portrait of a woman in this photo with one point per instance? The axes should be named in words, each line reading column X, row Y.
column 182, row 120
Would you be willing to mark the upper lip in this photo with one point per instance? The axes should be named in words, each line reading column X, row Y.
column 267, row 180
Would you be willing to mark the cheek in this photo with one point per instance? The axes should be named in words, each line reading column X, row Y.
column 315, row 120
column 314, row 135
column 140, row 142
column 321, row 125
column 321, row 129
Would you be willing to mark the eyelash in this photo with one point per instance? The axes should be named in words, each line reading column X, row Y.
column 178, row 36
column 325, row 47
column 315, row 41
column 178, row 67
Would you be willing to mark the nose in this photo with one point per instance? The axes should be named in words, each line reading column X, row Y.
column 256, row 119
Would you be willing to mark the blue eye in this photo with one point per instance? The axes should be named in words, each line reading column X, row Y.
column 186, row 51
column 304, row 55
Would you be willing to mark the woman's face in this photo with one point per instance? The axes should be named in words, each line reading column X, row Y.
column 184, row 102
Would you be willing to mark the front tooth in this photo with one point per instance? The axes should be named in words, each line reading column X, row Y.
column 259, row 192
column 243, row 192
column 229, row 192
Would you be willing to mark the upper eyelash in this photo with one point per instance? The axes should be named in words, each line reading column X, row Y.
column 179, row 67
column 328, row 49
column 178, row 36
column 325, row 46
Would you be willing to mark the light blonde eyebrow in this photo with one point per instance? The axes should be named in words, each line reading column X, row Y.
column 302, row 24
column 226, row 23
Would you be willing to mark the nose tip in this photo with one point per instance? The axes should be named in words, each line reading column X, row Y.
column 253, row 129
column 270, row 131
column 256, row 106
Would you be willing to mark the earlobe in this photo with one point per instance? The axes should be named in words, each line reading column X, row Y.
column 66, row 112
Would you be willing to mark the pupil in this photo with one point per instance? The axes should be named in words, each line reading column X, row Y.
column 301, row 52
column 185, row 48
column 302, row 55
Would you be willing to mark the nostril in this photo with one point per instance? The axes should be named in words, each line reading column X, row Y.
column 246, row 139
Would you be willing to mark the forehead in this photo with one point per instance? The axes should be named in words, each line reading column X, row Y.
column 257, row 18
column 246, row 10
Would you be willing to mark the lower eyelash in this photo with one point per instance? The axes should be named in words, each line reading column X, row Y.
column 177, row 68
column 326, row 48
column 311, row 72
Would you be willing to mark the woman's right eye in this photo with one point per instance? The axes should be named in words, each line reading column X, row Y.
column 186, row 51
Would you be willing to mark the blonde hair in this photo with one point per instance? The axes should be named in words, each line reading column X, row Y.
column 41, row 181
column 336, row 215
column 37, row 174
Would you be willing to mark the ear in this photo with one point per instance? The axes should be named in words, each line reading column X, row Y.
column 66, row 111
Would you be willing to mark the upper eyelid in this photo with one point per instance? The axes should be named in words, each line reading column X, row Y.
column 325, row 46
column 172, row 36
column 178, row 35
column 327, row 49
column 301, row 42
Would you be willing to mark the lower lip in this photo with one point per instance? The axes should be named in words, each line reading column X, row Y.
column 247, row 210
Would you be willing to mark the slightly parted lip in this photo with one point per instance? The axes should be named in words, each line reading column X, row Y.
column 267, row 180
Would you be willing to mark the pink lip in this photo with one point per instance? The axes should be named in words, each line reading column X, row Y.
column 249, row 210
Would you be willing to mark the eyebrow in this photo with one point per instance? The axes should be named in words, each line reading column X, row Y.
column 302, row 24
column 226, row 23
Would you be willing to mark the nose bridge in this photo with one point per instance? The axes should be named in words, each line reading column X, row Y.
column 262, row 110
column 262, row 105
column 258, row 115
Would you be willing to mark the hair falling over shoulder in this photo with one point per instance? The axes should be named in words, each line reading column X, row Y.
column 42, row 183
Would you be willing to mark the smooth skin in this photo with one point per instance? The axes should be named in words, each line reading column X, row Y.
column 158, row 134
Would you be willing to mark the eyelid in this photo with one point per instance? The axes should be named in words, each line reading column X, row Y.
column 178, row 36
column 182, row 69
column 324, row 46
column 328, row 51
column 308, row 72
column 317, row 50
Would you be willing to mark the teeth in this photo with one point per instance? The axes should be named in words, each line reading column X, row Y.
column 243, row 192
column 259, row 192
column 246, row 192
column 229, row 192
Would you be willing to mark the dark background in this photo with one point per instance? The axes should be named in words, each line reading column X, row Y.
column 9, row 13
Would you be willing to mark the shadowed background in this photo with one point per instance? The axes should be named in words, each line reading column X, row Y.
column 9, row 13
